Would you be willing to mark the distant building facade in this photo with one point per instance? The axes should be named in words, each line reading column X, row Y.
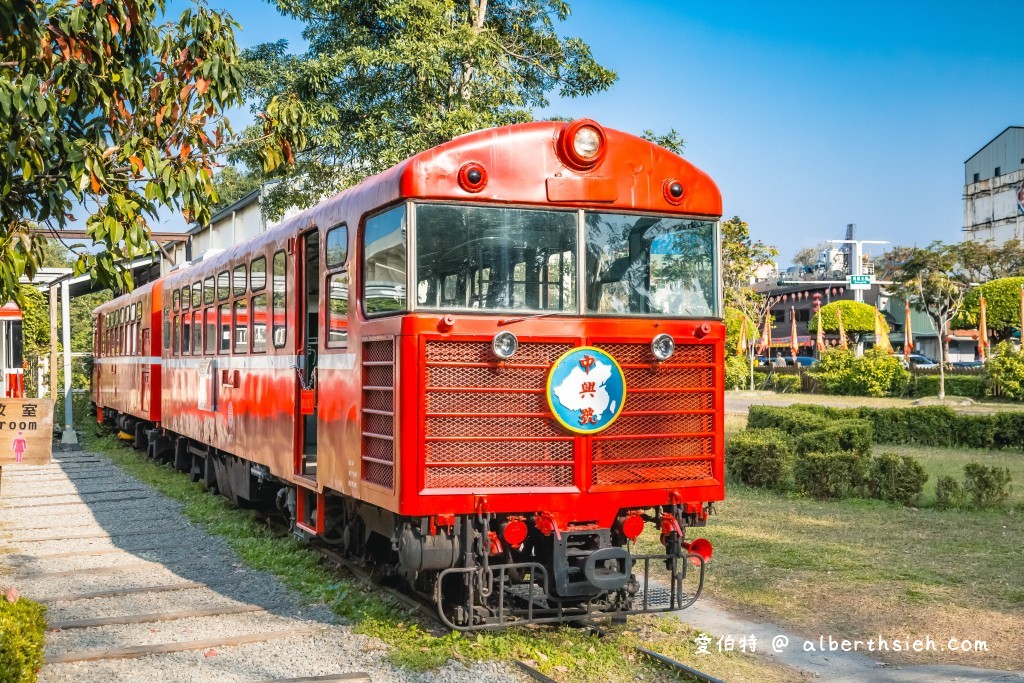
column 994, row 189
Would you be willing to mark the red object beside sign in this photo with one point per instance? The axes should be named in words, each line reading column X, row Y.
column 307, row 401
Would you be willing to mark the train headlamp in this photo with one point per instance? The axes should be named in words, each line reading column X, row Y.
column 663, row 347
column 504, row 345
column 587, row 142
column 581, row 144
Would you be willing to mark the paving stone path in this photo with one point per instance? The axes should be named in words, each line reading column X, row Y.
column 135, row 592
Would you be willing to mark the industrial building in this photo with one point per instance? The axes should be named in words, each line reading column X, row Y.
column 994, row 189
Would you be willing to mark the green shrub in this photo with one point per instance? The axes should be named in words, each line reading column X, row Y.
column 969, row 386
column 789, row 384
column 986, row 486
column 22, row 628
column 948, row 492
column 760, row 457
column 737, row 372
column 1008, row 431
column 839, row 435
column 829, row 475
column 897, row 479
column 832, row 373
column 791, row 421
column 1005, row 369
column 878, row 373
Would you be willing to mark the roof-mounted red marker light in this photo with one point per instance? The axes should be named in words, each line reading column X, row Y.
column 581, row 144
column 674, row 191
column 472, row 177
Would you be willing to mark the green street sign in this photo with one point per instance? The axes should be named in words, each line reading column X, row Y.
column 859, row 281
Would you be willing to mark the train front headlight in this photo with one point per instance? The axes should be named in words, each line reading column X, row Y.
column 587, row 142
column 504, row 345
column 663, row 347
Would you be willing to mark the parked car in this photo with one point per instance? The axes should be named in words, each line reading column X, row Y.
column 919, row 362
column 762, row 361
column 805, row 361
column 968, row 364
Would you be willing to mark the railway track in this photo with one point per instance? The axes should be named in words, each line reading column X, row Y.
column 666, row 662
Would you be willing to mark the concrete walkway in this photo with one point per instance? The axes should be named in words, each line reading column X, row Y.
column 134, row 592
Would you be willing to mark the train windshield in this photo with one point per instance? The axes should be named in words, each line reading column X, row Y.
column 650, row 265
column 496, row 258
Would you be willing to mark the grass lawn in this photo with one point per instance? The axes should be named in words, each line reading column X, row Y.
column 860, row 568
column 741, row 399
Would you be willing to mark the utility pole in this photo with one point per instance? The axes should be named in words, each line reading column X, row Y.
column 856, row 271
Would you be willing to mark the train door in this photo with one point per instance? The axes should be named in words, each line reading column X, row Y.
column 309, row 317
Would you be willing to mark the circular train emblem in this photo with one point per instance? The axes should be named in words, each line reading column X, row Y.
column 586, row 390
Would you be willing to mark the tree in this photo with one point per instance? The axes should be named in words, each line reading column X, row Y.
column 984, row 261
column 858, row 318
column 231, row 185
column 672, row 140
column 1002, row 307
column 741, row 257
column 935, row 280
column 110, row 113
column 385, row 80
column 807, row 258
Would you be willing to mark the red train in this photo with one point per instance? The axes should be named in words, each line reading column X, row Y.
column 485, row 370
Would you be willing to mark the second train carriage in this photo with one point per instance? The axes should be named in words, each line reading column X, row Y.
column 406, row 369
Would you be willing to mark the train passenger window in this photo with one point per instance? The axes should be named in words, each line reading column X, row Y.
column 174, row 298
column 186, row 334
column 197, row 333
column 223, row 286
column 175, row 332
column 167, row 326
column 238, row 280
column 280, row 301
column 258, row 274
column 337, row 246
column 337, row 318
column 211, row 330
column 259, row 323
column 209, row 294
column 197, row 294
column 224, row 320
column 384, row 262
column 184, row 298
column 241, row 321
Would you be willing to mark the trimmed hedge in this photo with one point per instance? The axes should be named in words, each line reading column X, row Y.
column 829, row 475
column 22, row 629
column 969, row 386
column 896, row 479
column 923, row 426
column 842, row 435
column 760, row 457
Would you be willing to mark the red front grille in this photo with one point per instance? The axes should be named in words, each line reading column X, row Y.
column 487, row 425
column 668, row 417
column 378, row 458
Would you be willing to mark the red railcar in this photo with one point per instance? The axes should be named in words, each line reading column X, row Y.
column 486, row 369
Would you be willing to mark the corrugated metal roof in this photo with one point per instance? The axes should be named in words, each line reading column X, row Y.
column 1005, row 152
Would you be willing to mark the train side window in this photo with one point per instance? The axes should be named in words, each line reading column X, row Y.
column 186, row 334
column 197, row 333
column 224, row 321
column 337, row 318
column 209, row 293
column 175, row 298
column 280, row 301
column 211, row 330
column 258, row 274
column 197, row 294
column 384, row 263
column 241, row 321
column 337, row 246
column 259, row 323
column 184, row 298
column 167, row 326
column 175, row 332
column 238, row 280
column 223, row 286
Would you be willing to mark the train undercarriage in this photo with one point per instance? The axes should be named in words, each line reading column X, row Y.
column 480, row 571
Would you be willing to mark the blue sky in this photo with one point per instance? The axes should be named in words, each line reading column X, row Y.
column 808, row 115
